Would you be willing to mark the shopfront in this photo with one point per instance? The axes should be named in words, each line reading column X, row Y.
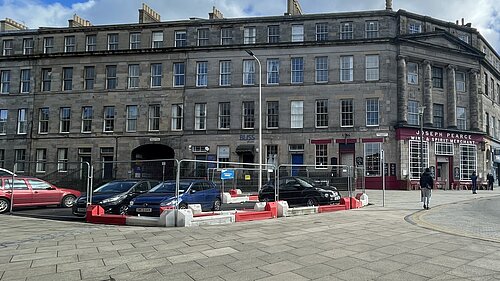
column 451, row 156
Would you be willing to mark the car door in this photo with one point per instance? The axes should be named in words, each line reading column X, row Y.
column 211, row 193
column 44, row 193
column 23, row 195
column 196, row 194
column 286, row 191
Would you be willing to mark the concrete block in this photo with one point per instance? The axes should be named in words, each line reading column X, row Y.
column 184, row 218
column 240, row 199
column 226, row 197
column 167, row 218
column 213, row 220
column 298, row 211
column 143, row 221
column 259, row 206
column 364, row 199
column 282, row 209
column 196, row 208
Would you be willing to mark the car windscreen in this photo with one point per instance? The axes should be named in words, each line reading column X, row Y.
column 305, row 182
column 169, row 187
column 115, row 186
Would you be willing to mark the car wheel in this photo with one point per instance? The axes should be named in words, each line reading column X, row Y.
column 123, row 209
column 68, row 201
column 183, row 206
column 311, row 202
column 4, row 205
column 217, row 205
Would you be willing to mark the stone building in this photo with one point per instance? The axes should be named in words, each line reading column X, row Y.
column 337, row 88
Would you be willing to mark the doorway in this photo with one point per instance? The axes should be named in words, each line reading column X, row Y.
column 443, row 172
column 160, row 170
column 297, row 159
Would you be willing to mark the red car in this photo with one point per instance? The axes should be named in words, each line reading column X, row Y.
column 30, row 191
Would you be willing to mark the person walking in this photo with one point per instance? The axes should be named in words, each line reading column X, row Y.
column 490, row 181
column 473, row 178
column 426, row 185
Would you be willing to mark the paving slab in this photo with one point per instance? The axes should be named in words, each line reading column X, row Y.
column 392, row 242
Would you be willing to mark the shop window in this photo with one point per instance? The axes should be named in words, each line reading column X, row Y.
column 415, row 155
column 468, row 160
column 444, row 148
column 372, row 159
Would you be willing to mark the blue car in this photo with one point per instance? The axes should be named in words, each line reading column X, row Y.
column 162, row 196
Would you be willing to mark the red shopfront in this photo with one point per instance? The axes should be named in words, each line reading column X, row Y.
column 450, row 155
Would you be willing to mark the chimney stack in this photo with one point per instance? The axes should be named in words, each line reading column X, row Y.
column 388, row 5
column 77, row 21
column 463, row 22
column 293, row 8
column 146, row 15
column 215, row 14
column 10, row 24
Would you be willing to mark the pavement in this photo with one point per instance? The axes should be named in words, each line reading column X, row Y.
column 392, row 239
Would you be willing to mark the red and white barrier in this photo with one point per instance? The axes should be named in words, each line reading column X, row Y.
column 194, row 215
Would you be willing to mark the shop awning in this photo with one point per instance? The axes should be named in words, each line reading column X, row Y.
column 245, row 148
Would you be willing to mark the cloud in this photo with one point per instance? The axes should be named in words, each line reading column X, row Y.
column 483, row 14
column 34, row 13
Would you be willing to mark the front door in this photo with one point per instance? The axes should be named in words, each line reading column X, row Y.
column 297, row 159
column 107, row 167
column 442, row 174
column 84, row 169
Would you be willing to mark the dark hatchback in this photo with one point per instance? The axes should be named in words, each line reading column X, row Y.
column 114, row 196
column 301, row 191
column 162, row 196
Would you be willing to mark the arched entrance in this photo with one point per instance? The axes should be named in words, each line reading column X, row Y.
column 144, row 166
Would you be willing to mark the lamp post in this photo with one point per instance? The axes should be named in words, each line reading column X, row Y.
column 260, row 116
column 421, row 120
column 382, row 164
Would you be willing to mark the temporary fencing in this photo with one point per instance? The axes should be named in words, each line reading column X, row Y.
column 33, row 182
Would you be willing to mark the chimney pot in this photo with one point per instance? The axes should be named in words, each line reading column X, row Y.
column 388, row 5
column 463, row 21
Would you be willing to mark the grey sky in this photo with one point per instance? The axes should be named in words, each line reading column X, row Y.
column 483, row 14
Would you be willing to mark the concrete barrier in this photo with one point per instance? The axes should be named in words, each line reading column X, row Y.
column 282, row 209
column 143, row 221
column 96, row 214
column 299, row 211
column 195, row 208
column 213, row 220
column 184, row 218
column 363, row 197
column 259, row 206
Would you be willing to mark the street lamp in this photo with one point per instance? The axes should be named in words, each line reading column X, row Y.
column 421, row 119
column 382, row 164
column 260, row 116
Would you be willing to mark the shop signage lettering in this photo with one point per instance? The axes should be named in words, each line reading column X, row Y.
column 247, row 137
column 436, row 136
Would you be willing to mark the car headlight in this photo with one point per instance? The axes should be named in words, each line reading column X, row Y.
column 115, row 199
column 168, row 203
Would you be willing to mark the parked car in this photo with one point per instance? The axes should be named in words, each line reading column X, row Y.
column 29, row 191
column 114, row 196
column 300, row 191
column 191, row 191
